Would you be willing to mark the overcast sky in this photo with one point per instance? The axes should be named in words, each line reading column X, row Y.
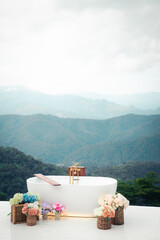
column 68, row 46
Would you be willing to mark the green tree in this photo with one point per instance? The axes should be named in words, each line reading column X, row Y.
column 148, row 190
column 143, row 191
column 3, row 196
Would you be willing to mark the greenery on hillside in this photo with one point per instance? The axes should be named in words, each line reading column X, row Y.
column 144, row 149
column 15, row 168
column 144, row 191
column 94, row 142
column 125, row 172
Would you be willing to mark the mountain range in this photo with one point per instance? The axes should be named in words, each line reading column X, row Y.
column 144, row 100
column 118, row 152
column 56, row 140
column 20, row 100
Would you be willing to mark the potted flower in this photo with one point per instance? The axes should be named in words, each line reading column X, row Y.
column 31, row 210
column 104, row 214
column 46, row 208
column 118, row 202
column 121, row 203
column 57, row 208
column 16, row 209
column 17, row 203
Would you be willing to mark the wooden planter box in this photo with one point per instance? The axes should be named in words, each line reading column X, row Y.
column 16, row 214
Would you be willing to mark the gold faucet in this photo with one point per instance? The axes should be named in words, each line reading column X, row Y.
column 74, row 171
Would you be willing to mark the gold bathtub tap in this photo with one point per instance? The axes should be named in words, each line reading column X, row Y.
column 74, row 171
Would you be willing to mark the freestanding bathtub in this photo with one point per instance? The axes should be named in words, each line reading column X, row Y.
column 79, row 199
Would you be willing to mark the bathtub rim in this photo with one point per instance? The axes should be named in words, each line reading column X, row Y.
column 31, row 181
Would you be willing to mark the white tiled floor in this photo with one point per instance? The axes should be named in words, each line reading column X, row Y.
column 140, row 223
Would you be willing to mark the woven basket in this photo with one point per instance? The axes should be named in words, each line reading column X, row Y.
column 103, row 223
column 119, row 217
column 16, row 214
column 31, row 220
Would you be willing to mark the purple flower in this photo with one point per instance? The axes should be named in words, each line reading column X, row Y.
column 42, row 211
column 48, row 206
column 44, row 205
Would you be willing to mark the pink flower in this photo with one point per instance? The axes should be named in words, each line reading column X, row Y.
column 121, row 201
column 108, row 212
column 111, row 214
column 24, row 210
column 38, row 212
column 105, row 199
column 58, row 207
column 32, row 211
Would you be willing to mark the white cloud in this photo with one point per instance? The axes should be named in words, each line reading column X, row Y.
column 67, row 46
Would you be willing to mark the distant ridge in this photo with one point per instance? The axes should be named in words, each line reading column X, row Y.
column 20, row 100
column 143, row 100
column 118, row 152
column 56, row 140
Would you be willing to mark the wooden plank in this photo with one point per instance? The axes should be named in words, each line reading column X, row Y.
column 46, row 179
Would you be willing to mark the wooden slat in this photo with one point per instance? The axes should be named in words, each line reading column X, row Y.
column 46, row 179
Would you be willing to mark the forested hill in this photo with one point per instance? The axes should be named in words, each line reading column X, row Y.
column 127, row 171
column 126, row 151
column 58, row 140
column 16, row 167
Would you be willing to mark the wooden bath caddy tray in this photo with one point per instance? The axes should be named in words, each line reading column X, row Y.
column 46, row 179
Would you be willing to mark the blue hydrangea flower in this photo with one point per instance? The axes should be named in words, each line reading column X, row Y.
column 25, row 198
column 32, row 199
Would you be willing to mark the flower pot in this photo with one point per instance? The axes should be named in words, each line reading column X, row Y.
column 119, row 217
column 31, row 220
column 45, row 216
column 103, row 223
column 57, row 216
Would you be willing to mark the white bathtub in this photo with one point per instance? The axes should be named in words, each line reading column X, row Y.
column 79, row 199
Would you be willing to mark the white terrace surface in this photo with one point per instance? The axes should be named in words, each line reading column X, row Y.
column 140, row 223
